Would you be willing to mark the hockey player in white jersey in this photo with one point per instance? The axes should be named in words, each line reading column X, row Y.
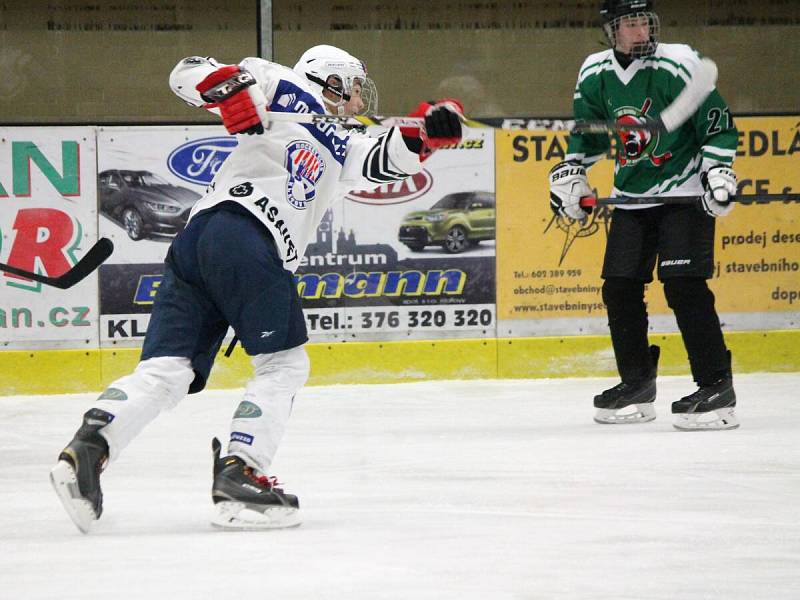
column 233, row 265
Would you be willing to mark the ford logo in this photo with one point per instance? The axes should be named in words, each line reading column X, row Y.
column 396, row 192
column 199, row 160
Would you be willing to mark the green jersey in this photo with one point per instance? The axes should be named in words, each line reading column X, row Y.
column 666, row 164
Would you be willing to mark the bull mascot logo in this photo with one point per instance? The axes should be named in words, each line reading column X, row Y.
column 636, row 144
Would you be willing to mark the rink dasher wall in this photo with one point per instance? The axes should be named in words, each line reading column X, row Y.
column 524, row 304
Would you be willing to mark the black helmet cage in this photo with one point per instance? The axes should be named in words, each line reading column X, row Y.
column 614, row 11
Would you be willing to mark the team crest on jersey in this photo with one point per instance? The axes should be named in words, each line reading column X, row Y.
column 639, row 144
column 305, row 167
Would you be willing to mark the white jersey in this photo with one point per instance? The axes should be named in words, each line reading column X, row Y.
column 290, row 175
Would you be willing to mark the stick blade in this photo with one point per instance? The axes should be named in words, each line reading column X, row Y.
column 96, row 256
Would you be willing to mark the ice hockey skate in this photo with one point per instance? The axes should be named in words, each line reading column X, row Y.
column 243, row 499
column 626, row 403
column 76, row 476
column 629, row 401
column 711, row 407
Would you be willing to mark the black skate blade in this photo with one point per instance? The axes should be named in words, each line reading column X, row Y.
column 65, row 483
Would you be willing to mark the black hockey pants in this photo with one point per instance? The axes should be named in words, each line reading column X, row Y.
column 693, row 304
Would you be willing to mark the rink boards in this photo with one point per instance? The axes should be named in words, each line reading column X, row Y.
column 521, row 298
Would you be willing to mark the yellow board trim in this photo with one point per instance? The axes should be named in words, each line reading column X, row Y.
column 593, row 356
column 76, row 371
column 36, row 372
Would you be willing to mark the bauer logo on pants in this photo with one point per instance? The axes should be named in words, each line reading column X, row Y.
column 238, row 436
column 305, row 167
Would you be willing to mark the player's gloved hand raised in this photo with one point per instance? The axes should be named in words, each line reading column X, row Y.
column 568, row 184
column 720, row 184
column 227, row 89
column 442, row 126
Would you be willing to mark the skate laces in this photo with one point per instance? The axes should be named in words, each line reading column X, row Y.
column 624, row 386
column 620, row 387
column 268, row 481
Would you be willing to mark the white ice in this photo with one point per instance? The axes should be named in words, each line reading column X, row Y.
column 459, row 489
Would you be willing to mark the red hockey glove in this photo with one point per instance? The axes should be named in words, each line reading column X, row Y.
column 442, row 126
column 226, row 89
column 419, row 112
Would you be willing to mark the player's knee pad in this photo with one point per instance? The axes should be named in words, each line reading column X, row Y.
column 260, row 419
column 136, row 399
column 163, row 381
column 688, row 293
column 621, row 294
column 164, row 377
column 278, row 377
column 286, row 371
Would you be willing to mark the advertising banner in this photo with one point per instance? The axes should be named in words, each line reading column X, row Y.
column 411, row 259
column 148, row 180
column 48, row 221
column 549, row 267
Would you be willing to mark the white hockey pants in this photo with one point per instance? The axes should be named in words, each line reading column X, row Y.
column 136, row 399
column 161, row 383
column 260, row 419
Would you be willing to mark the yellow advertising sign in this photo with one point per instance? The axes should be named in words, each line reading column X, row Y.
column 549, row 267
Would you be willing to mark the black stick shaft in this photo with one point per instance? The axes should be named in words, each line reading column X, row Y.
column 96, row 255
column 743, row 199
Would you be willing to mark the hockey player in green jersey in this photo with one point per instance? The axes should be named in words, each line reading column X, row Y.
column 632, row 83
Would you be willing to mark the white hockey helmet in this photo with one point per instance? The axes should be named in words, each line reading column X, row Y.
column 332, row 69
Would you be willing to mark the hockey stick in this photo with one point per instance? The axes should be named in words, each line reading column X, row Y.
column 387, row 121
column 589, row 201
column 702, row 83
column 353, row 121
column 96, row 255
column 684, row 106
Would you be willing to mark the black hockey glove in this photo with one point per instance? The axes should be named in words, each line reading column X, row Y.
column 443, row 125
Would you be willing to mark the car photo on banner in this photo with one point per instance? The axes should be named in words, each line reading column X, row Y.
column 144, row 204
column 457, row 222
column 149, row 178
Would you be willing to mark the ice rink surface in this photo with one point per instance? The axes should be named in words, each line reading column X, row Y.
column 459, row 489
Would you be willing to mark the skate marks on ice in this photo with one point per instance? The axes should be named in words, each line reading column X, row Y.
column 476, row 489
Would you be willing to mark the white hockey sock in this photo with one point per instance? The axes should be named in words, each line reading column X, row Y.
column 136, row 399
column 260, row 419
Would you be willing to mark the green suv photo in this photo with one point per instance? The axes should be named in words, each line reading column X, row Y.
column 455, row 222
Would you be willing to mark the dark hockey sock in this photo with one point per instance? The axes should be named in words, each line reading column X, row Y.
column 693, row 304
column 627, row 320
